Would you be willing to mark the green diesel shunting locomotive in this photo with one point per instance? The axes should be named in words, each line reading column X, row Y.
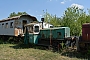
column 47, row 37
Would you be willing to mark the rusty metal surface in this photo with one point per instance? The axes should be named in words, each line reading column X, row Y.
column 86, row 31
column 16, row 32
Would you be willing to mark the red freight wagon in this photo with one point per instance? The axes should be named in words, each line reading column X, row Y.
column 84, row 43
column 86, row 32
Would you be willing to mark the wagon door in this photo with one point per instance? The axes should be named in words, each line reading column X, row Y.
column 24, row 22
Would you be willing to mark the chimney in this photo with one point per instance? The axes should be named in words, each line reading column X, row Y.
column 42, row 19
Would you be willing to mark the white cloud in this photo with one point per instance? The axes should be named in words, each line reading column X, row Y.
column 62, row 2
column 77, row 5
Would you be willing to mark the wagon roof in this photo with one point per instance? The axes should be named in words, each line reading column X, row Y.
column 86, row 24
column 17, row 17
column 30, row 24
column 56, row 28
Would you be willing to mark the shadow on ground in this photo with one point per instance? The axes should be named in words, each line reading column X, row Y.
column 74, row 54
column 26, row 46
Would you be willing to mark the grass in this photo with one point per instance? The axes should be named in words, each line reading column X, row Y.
column 23, row 52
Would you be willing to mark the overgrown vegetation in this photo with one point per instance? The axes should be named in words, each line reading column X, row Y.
column 17, row 14
column 22, row 51
column 25, row 52
column 3, row 42
column 73, row 17
column 11, row 40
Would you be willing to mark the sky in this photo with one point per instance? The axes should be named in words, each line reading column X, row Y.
column 36, row 7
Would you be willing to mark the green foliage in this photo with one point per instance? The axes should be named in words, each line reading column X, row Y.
column 17, row 14
column 73, row 17
column 3, row 42
column 52, row 19
column 88, row 51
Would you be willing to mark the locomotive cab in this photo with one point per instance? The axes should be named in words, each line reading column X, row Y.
column 31, row 33
column 32, row 28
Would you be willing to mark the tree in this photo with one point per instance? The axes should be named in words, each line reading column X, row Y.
column 52, row 19
column 88, row 16
column 17, row 14
column 74, row 18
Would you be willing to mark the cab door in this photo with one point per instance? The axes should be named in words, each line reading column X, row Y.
column 31, row 38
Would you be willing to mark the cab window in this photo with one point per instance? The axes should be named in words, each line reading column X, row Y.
column 36, row 29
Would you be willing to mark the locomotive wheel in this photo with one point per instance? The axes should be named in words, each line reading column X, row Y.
column 50, row 47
